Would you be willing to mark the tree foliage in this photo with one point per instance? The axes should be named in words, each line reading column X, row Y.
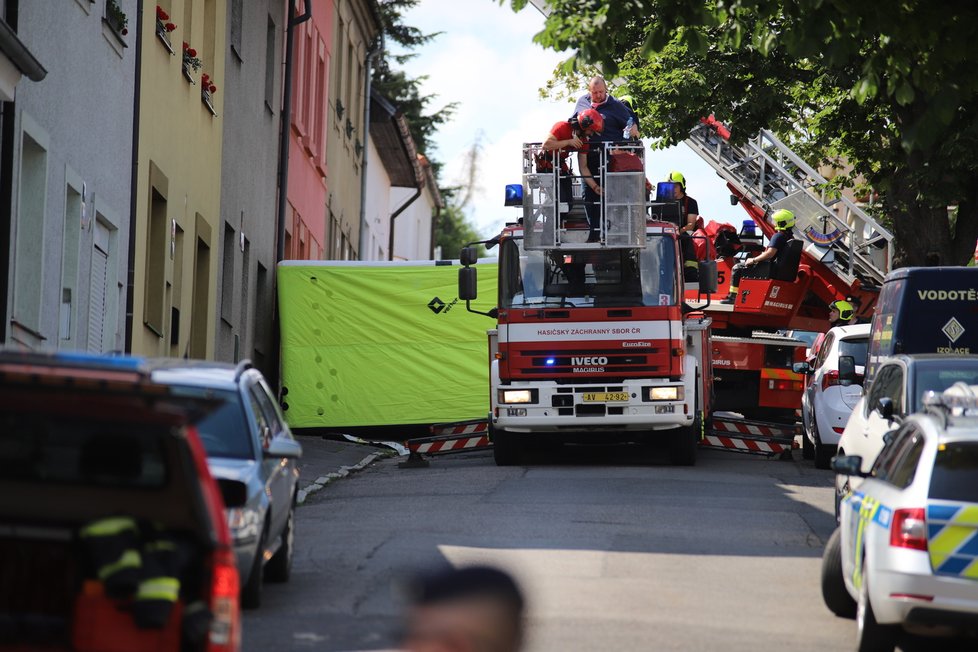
column 888, row 87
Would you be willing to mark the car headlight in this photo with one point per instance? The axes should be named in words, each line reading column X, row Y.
column 517, row 396
column 670, row 393
column 244, row 523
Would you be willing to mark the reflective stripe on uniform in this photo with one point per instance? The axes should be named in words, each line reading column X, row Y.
column 868, row 508
column 952, row 539
column 129, row 559
column 159, row 588
column 107, row 527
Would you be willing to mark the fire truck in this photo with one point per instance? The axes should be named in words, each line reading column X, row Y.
column 593, row 342
column 839, row 252
column 604, row 341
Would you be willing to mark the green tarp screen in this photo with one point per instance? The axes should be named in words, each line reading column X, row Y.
column 373, row 344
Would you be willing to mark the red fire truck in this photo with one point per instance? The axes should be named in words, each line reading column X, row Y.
column 592, row 340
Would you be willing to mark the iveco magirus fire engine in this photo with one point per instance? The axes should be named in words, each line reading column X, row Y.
column 592, row 341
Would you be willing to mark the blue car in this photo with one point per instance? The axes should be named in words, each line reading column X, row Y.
column 252, row 454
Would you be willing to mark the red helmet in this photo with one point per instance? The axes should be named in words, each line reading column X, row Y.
column 591, row 119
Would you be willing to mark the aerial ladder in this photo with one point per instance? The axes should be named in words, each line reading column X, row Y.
column 769, row 175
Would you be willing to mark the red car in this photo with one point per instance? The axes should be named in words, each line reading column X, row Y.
column 112, row 530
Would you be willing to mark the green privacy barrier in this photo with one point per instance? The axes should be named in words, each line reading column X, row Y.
column 372, row 344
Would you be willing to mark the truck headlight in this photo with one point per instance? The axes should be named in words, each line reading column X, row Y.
column 517, row 396
column 671, row 393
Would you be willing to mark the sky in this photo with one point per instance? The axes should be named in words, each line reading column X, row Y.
column 486, row 61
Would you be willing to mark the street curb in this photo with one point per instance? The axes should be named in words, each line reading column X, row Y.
column 343, row 471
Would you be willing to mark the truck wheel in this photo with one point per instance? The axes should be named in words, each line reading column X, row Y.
column 684, row 442
column 834, row 592
column 505, row 447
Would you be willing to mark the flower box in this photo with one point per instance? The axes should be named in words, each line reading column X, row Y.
column 163, row 28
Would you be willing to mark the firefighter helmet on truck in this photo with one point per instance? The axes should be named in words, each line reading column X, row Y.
column 783, row 219
column 677, row 177
column 591, row 119
column 845, row 309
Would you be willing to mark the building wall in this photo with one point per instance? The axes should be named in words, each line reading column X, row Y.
column 378, row 202
column 307, row 188
column 412, row 228
column 71, row 179
column 355, row 32
column 178, row 192
column 249, row 180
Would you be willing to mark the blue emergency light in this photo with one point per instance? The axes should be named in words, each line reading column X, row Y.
column 667, row 191
column 551, row 362
column 514, row 194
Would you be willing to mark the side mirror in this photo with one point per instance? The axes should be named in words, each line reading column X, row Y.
column 468, row 283
column 888, row 436
column 847, row 370
column 885, row 408
column 848, row 465
column 468, row 256
column 708, row 276
column 283, row 447
column 801, row 368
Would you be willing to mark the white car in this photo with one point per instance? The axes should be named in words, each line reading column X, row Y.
column 900, row 383
column 832, row 389
column 905, row 554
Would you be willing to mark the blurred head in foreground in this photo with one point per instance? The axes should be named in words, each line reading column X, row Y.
column 471, row 609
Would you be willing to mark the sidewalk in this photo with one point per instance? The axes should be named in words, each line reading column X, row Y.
column 325, row 460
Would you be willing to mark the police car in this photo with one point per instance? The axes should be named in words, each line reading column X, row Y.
column 905, row 555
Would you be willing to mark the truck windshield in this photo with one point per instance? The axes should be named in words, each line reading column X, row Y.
column 592, row 278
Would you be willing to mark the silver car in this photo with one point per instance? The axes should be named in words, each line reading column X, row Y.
column 252, row 455
column 905, row 554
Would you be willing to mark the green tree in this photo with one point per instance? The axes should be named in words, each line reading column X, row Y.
column 888, row 87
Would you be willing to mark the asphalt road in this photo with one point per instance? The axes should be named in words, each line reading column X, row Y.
column 614, row 548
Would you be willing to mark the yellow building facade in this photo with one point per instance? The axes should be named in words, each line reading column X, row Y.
column 177, row 218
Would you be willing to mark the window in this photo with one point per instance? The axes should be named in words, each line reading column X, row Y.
column 905, row 465
column 69, row 262
column 199, row 333
column 245, row 288
column 29, row 258
column 235, row 20
column 888, row 383
column 99, row 289
column 227, row 276
column 267, row 403
column 270, row 59
column 892, row 452
column 823, row 350
column 156, row 254
column 955, row 475
column 264, row 429
column 177, row 291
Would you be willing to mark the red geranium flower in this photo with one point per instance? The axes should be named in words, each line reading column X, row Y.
column 160, row 14
column 170, row 27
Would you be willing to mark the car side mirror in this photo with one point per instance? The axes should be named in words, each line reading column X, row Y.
column 847, row 370
column 885, row 408
column 801, row 368
column 284, row 447
column 848, row 465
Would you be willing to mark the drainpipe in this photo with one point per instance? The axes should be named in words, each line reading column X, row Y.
column 431, row 238
column 375, row 49
column 133, row 183
column 390, row 242
column 286, row 117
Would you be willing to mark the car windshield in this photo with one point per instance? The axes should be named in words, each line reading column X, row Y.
column 955, row 475
column 224, row 432
column 938, row 375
